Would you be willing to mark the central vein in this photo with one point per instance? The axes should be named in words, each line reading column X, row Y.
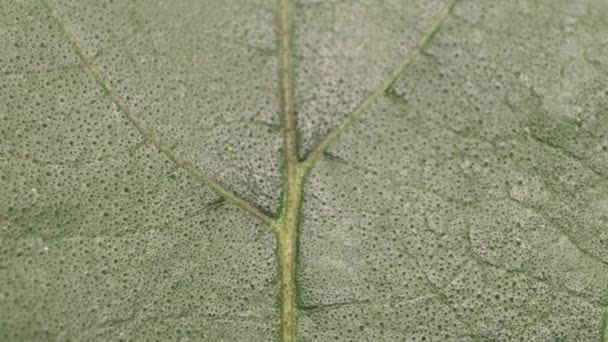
column 286, row 87
column 287, row 224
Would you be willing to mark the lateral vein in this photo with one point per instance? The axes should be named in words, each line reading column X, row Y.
column 316, row 154
column 147, row 133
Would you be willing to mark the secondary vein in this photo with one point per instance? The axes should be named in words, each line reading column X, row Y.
column 148, row 134
column 316, row 154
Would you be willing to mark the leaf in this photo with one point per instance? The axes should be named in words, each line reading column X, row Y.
column 304, row 170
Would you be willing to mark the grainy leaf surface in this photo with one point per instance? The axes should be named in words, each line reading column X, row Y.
column 448, row 179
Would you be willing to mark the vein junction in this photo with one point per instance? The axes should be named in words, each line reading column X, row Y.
column 285, row 226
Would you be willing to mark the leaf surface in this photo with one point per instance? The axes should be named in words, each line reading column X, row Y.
column 304, row 170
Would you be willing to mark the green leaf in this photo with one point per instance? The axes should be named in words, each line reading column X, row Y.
column 304, row 170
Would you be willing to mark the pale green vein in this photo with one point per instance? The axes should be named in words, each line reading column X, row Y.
column 287, row 222
column 148, row 134
column 318, row 151
column 296, row 171
column 286, row 90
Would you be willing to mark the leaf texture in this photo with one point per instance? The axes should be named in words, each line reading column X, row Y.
column 304, row 170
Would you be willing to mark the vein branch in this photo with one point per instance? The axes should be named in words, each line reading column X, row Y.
column 316, row 154
column 147, row 133
column 296, row 171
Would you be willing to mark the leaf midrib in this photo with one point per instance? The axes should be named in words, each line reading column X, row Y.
column 285, row 225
